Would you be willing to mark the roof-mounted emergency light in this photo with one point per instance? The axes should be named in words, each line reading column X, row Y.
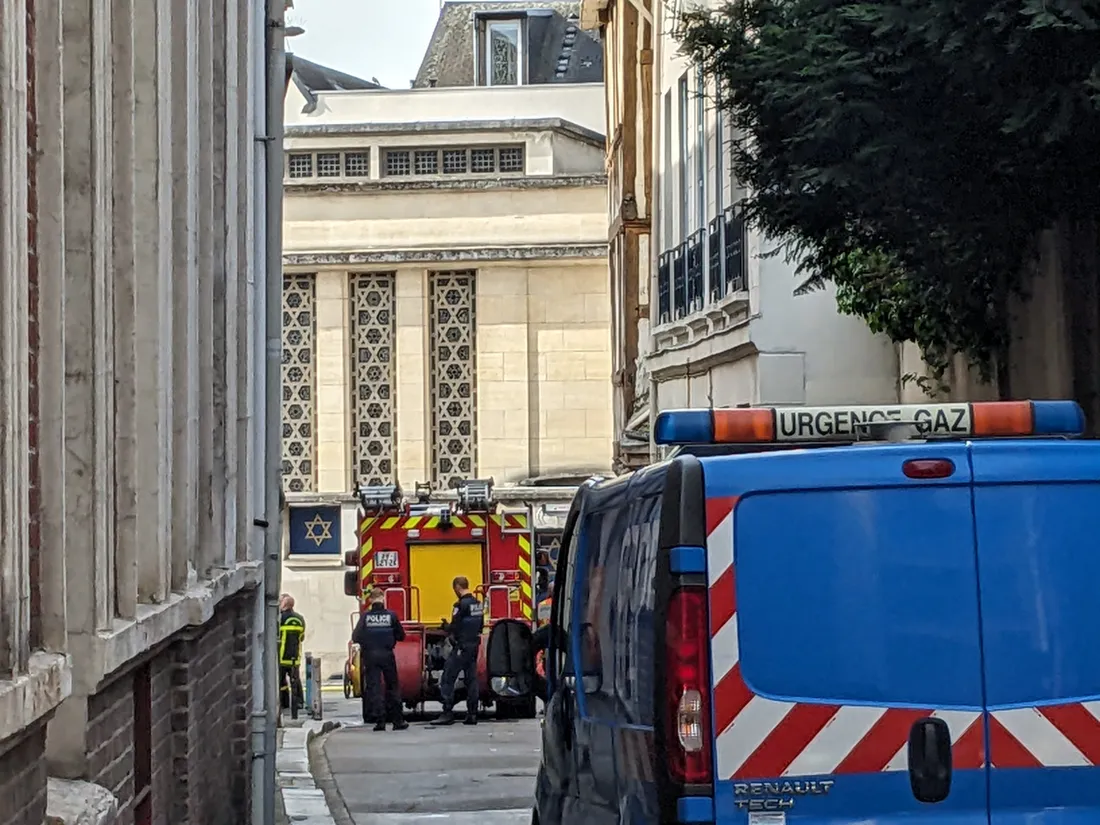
column 762, row 425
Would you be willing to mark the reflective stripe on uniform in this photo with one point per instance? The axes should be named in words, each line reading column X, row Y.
column 290, row 626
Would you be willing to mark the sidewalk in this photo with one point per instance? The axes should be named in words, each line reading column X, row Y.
column 300, row 801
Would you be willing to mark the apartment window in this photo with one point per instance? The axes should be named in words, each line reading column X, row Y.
column 502, row 53
column 511, row 159
column 306, row 165
column 300, row 166
column 356, row 164
column 426, row 162
column 668, row 197
column 684, row 173
column 700, row 149
column 455, row 162
column 719, row 153
column 479, row 160
column 482, row 160
column 328, row 164
column 397, row 162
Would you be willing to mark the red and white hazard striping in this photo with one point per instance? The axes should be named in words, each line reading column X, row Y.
column 762, row 738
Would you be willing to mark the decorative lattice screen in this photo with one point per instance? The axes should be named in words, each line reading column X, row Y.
column 452, row 375
column 299, row 381
column 372, row 389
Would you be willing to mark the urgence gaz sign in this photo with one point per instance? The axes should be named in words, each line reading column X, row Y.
column 808, row 423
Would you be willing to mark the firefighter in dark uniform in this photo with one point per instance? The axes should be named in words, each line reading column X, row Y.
column 377, row 633
column 292, row 631
column 467, row 620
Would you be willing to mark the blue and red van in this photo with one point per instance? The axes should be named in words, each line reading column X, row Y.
column 826, row 615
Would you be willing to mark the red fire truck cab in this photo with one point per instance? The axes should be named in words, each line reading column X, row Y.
column 413, row 550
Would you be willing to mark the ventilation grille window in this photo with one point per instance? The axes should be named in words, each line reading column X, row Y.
column 453, row 371
column 299, row 379
column 372, row 333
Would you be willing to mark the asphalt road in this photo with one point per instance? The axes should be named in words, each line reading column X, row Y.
column 459, row 775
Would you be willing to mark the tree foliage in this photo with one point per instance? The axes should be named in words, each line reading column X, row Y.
column 910, row 150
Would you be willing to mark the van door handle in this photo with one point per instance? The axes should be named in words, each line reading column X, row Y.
column 930, row 760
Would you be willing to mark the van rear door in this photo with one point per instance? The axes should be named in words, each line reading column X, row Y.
column 1037, row 516
column 843, row 609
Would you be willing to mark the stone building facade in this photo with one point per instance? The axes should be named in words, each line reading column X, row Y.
column 724, row 325
column 130, row 410
column 626, row 29
column 447, row 298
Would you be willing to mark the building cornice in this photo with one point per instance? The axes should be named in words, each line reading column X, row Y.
column 540, row 124
column 481, row 254
column 434, row 184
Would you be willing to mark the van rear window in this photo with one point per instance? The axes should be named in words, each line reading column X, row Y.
column 859, row 597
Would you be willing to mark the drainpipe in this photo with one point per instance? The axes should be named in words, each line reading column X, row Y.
column 262, row 811
column 270, row 137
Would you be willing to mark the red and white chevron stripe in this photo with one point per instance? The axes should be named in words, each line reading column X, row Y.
column 760, row 738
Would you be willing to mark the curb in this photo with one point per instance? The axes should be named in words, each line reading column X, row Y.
column 303, row 801
column 322, row 775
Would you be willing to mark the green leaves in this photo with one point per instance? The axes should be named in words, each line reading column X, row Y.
column 911, row 150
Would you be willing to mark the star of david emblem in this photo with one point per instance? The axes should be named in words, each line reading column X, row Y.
column 313, row 526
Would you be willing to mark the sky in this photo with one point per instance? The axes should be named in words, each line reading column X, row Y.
column 383, row 39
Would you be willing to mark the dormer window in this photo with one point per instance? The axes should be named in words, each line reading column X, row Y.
column 502, row 54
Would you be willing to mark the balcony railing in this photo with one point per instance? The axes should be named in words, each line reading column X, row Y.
column 735, row 259
column 696, row 257
column 679, row 281
column 664, row 288
column 707, row 267
column 715, row 258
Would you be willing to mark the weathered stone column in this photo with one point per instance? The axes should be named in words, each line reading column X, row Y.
column 153, row 233
column 185, row 289
column 89, row 344
column 128, row 395
column 89, row 392
column 227, row 88
column 50, row 252
column 240, row 35
column 210, row 510
column 14, row 409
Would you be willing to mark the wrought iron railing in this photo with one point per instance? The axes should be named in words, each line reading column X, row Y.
column 664, row 288
column 696, row 257
column 679, row 281
column 736, row 259
column 716, row 260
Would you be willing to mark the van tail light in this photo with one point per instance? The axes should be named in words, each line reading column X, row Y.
column 687, row 687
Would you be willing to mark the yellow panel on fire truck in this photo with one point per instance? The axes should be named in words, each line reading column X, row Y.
column 432, row 568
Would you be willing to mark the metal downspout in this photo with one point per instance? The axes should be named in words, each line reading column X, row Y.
column 273, row 99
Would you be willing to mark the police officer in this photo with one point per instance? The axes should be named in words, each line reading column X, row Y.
column 467, row 620
column 292, row 631
column 377, row 633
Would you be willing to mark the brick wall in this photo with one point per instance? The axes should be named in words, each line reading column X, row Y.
column 198, row 721
column 23, row 778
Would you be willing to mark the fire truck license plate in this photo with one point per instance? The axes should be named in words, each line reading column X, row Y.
column 385, row 559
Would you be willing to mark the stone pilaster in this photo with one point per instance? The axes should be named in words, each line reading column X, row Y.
column 185, row 287
column 333, row 375
column 503, row 374
column 411, row 360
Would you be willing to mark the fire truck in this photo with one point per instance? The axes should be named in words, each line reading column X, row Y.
column 413, row 549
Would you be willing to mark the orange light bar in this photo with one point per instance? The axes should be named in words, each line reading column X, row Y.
column 1000, row 418
column 744, row 426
